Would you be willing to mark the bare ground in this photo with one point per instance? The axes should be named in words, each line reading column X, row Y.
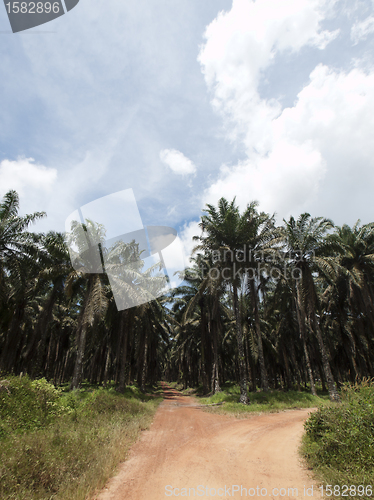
column 187, row 447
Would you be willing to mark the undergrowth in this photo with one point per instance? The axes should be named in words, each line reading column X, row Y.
column 271, row 401
column 65, row 445
column 339, row 441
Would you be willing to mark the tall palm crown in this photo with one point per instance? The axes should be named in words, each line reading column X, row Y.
column 15, row 241
column 306, row 236
column 358, row 246
column 226, row 229
column 310, row 250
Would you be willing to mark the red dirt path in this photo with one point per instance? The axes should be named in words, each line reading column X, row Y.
column 187, row 447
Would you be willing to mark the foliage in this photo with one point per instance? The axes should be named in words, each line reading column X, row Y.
column 28, row 404
column 271, row 401
column 339, row 440
column 73, row 451
column 242, row 324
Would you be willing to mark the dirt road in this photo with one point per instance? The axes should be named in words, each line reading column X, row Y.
column 202, row 452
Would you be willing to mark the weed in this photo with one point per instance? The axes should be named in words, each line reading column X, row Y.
column 339, row 440
column 65, row 445
column 271, row 401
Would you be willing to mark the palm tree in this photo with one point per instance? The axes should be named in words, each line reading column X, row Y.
column 15, row 240
column 55, row 268
column 19, row 253
column 262, row 238
column 309, row 251
column 94, row 301
column 207, row 296
column 351, row 290
column 225, row 233
column 187, row 356
column 281, row 315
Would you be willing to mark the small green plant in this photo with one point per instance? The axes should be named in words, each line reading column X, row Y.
column 271, row 401
column 339, row 440
column 63, row 445
column 28, row 404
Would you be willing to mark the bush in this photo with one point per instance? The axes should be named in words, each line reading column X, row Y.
column 271, row 401
column 339, row 440
column 64, row 445
column 28, row 404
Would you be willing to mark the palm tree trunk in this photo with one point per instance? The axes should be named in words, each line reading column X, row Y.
column 261, row 360
column 333, row 393
column 215, row 376
column 350, row 348
column 287, row 367
column 42, row 330
column 106, row 370
column 203, row 342
column 301, row 316
column 77, row 374
column 13, row 339
column 249, row 360
column 241, row 357
column 297, row 368
column 123, row 335
column 144, row 369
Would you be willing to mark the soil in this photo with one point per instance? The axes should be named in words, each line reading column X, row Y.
column 189, row 448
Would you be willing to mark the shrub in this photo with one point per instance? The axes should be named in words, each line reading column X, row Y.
column 28, row 404
column 339, row 440
column 64, row 445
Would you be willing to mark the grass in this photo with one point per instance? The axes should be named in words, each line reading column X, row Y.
column 339, row 441
column 176, row 385
column 271, row 401
column 60, row 445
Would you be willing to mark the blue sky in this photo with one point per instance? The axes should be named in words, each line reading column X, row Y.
column 185, row 101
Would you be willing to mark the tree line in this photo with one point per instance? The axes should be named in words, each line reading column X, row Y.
column 268, row 306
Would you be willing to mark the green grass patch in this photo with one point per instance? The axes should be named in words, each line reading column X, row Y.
column 271, row 401
column 178, row 386
column 65, row 445
column 339, row 440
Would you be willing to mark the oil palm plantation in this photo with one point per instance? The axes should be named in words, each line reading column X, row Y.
column 310, row 252
column 351, row 293
column 19, row 254
column 225, row 236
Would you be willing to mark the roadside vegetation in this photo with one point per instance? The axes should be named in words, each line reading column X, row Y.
column 260, row 402
column 339, row 442
column 275, row 309
column 264, row 305
column 65, row 445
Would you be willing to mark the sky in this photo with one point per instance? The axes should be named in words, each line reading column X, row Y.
column 186, row 101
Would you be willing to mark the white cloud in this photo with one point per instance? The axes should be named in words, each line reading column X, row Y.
column 325, row 37
column 178, row 163
column 175, row 262
column 321, row 151
column 58, row 193
column 243, row 42
column 335, row 110
column 23, row 175
column 188, row 231
column 362, row 29
column 34, row 183
column 313, row 156
column 287, row 178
